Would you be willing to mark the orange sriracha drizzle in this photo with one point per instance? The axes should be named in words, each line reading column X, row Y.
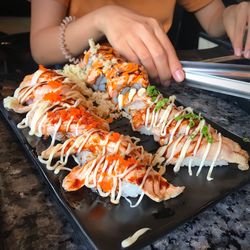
column 120, row 74
column 47, row 73
column 139, row 118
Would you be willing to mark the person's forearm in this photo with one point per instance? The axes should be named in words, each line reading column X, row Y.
column 45, row 44
column 216, row 27
column 211, row 18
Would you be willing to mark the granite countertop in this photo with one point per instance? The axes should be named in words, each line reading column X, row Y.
column 31, row 219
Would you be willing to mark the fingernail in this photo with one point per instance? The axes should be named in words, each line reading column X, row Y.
column 237, row 52
column 179, row 75
column 247, row 54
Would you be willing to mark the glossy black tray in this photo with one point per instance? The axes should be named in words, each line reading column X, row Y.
column 103, row 225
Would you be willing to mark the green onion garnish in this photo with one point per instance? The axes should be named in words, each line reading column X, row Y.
column 187, row 116
column 152, row 91
column 192, row 136
column 161, row 104
column 206, row 134
column 245, row 139
column 153, row 98
column 191, row 123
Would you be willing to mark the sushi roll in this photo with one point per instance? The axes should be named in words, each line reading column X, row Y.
column 183, row 135
column 92, row 143
column 33, row 88
column 115, row 177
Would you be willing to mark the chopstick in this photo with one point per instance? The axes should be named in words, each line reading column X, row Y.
column 218, row 84
column 234, row 71
column 223, row 59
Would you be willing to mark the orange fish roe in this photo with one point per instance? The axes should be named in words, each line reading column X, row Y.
column 109, row 120
column 106, row 183
column 52, row 97
column 123, row 163
column 114, row 137
column 92, row 148
column 76, row 115
column 54, row 84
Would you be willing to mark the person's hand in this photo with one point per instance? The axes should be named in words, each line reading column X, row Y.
column 236, row 20
column 142, row 40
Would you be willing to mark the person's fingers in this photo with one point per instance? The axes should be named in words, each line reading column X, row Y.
column 125, row 50
column 173, row 61
column 239, row 29
column 144, row 56
column 247, row 44
column 157, row 53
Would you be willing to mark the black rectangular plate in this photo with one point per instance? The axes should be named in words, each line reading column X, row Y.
column 104, row 225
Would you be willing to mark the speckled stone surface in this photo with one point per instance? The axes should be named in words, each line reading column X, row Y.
column 31, row 219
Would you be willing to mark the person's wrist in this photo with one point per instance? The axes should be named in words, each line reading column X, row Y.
column 100, row 19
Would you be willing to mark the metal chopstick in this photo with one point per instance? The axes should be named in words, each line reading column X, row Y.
column 218, row 84
column 234, row 71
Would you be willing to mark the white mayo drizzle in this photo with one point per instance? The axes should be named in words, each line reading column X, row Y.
column 215, row 158
column 153, row 113
column 120, row 101
column 63, row 156
column 24, row 94
column 174, row 130
column 40, row 111
column 48, row 162
column 32, row 86
column 36, row 77
column 101, row 165
column 40, row 126
column 137, row 203
column 204, row 155
column 33, row 82
column 86, row 138
column 201, row 124
column 141, row 92
column 77, row 147
column 131, row 94
column 187, row 130
column 69, row 122
column 155, row 121
column 127, row 171
column 185, row 149
column 56, row 128
column 173, row 150
column 165, row 115
column 184, row 111
column 164, row 128
column 141, row 186
column 158, row 159
column 133, row 238
column 69, row 151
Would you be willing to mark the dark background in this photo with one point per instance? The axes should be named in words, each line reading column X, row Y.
column 14, row 8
